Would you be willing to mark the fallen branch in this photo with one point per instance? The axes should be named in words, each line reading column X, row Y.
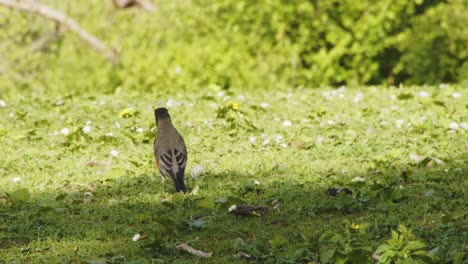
column 248, row 210
column 191, row 250
column 57, row 16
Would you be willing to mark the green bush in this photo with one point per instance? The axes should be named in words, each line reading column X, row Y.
column 253, row 44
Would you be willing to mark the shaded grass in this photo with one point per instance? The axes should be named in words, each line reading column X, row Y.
column 332, row 140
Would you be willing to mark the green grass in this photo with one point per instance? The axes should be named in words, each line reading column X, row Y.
column 362, row 138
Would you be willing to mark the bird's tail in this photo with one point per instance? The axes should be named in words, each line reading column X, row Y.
column 179, row 183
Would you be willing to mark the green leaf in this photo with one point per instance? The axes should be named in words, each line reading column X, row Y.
column 20, row 196
column 207, row 203
column 405, row 96
column 414, row 245
column 383, row 248
column 278, row 242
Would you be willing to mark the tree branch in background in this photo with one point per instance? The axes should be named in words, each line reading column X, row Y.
column 47, row 12
column 146, row 5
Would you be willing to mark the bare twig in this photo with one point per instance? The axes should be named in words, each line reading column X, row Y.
column 47, row 12
column 191, row 250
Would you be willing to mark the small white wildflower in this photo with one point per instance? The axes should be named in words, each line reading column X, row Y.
column 454, row 125
column 319, row 139
column 221, row 93
column 399, row 123
column 114, row 153
column 358, row 179
column 88, row 123
column 456, row 95
column 331, row 122
column 53, row 134
column 283, row 145
column 241, row 97
column 64, row 131
column 279, row 138
column 2, row 103
column 393, row 96
column 394, row 107
column 256, row 182
column 16, row 179
column 289, row 95
column 178, row 70
column 429, row 193
column 383, row 123
column 172, row 103
column 264, row 105
column 86, row 129
column 400, row 187
column 263, row 135
column 232, row 208
column 321, row 124
column 464, row 125
column 422, row 119
column 117, row 125
column 136, row 237
column 11, row 115
column 197, row 170
column 212, row 105
column 102, row 102
column 359, row 96
column 442, row 86
column 266, row 142
column 252, row 140
column 276, row 119
column 189, row 104
column 423, row 94
column 139, row 130
column 90, row 194
column 305, row 120
column 110, row 134
column 287, row 123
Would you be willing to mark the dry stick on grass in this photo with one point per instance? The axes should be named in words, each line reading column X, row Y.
column 47, row 12
column 191, row 250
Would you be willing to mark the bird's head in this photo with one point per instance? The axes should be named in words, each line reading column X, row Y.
column 160, row 114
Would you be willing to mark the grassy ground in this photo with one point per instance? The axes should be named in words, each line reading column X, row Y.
column 78, row 181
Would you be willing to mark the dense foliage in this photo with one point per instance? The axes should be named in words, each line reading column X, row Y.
column 190, row 44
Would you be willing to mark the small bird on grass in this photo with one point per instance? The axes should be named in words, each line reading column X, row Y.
column 169, row 150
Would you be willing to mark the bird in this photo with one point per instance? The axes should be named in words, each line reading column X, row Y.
column 170, row 151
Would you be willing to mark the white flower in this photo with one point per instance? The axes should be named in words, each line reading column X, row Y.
column 422, row 119
column 279, row 139
column 139, row 130
column 456, row 95
column 394, row 107
column 287, row 123
column 88, row 123
column 264, row 105
column 16, row 179
column 464, row 125
column 252, row 140
column 276, row 119
column 256, row 182
column 11, row 115
column 136, row 237
column 88, row 194
column 117, row 125
column 358, row 97
column 178, row 70
column 319, row 139
column 442, row 86
column 399, row 123
column 393, row 97
column 197, row 170
column 101, row 103
column 114, row 153
column 383, row 123
column 358, row 179
column 110, row 134
column 172, row 103
column 266, row 142
column 241, row 97
column 331, row 122
column 454, row 125
column 2, row 103
column 232, row 208
column 423, row 94
column 86, row 129
column 221, row 93
column 283, row 145
column 64, row 131
column 213, row 105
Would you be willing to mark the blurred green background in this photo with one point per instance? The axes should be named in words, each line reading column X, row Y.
column 189, row 44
